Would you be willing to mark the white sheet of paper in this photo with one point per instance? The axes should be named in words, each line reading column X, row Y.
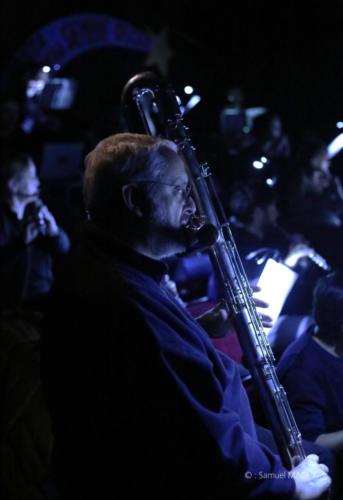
column 276, row 281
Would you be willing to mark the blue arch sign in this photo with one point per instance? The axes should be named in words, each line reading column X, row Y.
column 61, row 41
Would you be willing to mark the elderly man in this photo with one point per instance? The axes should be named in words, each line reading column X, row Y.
column 141, row 401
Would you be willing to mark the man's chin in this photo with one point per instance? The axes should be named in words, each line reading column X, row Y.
column 176, row 247
column 172, row 241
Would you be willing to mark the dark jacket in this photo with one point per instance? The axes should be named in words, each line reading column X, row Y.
column 317, row 402
column 25, row 270
column 142, row 403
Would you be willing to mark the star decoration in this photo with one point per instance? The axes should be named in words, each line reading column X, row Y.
column 160, row 51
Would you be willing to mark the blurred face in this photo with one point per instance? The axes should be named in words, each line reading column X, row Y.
column 271, row 214
column 25, row 185
column 319, row 178
column 319, row 181
column 266, row 216
column 275, row 128
column 171, row 209
column 235, row 97
column 9, row 115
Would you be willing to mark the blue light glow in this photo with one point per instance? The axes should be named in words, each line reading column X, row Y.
column 335, row 146
column 271, row 181
column 194, row 100
column 257, row 164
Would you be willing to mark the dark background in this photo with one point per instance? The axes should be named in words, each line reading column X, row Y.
column 285, row 56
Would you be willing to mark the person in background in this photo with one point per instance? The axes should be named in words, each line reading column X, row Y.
column 316, row 359
column 29, row 236
column 316, row 196
column 314, row 205
column 30, row 240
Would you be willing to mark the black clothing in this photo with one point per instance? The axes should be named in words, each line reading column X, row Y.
column 25, row 269
column 141, row 401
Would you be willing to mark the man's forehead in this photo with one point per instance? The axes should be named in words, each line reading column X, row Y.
column 176, row 169
column 27, row 170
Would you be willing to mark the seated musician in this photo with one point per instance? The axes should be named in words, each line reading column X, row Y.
column 142, row 403
column 316, row 360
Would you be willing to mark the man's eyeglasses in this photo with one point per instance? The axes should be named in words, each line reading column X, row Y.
column 185, row 191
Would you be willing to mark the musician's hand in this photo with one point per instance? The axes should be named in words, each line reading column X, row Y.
column 30, row 231
column 311, row 478
column 267, row 321
column 297, row 239
column 296, row 253
column 216, row 321
column 51, row 228
column 171, row 288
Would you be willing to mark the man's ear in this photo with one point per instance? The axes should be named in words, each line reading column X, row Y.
column 135, row 199
column 12, row 185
